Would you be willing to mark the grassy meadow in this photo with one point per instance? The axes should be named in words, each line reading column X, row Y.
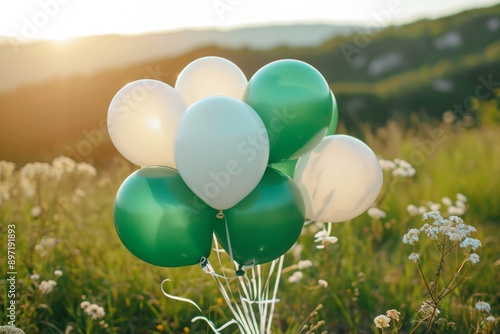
column 65, row 233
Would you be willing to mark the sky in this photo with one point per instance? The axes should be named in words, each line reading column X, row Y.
column 61, row 19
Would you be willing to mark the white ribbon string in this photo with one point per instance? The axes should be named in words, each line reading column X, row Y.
column 253, row 303
column 211, row 324
column 186, row 300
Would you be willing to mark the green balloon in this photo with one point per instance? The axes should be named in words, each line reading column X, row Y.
column 161, row 221
column 294, row 101
column 335, row 117
column 266, row 223
column 287, row 167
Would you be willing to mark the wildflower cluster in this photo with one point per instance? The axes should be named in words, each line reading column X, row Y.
column 487, row 320
column 452, row 230
column 6, row 171
column 450, row 235
column 94, row 311
column 45, row 287
column 45, row 245
column 397, row 167
column 297, row 275
column 384, row 321
column 33, row 173
column 456, row 208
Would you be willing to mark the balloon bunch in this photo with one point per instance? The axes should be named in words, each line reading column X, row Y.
column 247, row 161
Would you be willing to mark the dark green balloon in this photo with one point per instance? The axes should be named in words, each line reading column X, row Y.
column 335, row 117
column 294, row 101
column 266, row 223
column 287, row 167
column 161, row 221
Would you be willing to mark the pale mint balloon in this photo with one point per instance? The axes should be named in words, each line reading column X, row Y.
column 339, row 179
column 221, row 150
column 210, row 76
column 142, row 121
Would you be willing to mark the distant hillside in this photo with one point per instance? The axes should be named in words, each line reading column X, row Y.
column 30, row 63
column 424, row 68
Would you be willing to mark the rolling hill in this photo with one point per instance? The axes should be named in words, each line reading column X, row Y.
column 425, row 68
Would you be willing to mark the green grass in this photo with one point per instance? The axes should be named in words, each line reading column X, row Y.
column 367, row 270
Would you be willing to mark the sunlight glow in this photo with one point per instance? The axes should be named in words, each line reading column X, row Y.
column 63, row 19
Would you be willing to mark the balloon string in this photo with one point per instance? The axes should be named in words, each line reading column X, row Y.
column 211, row 324
column 228, row 237
column 186, row 300
column 241, row 317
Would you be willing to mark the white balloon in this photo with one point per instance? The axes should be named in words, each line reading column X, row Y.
column 221, row 150
column 142, row 122
column 209, row 76
column 339, row 179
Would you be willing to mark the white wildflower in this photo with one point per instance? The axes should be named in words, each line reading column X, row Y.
column 46, row 287
column 455, row 210
column 376, row 213
column 470, row 242
column 411, row 237
column 387, row 165
column 84, row 305
column 4, row 191
column 85, row 169
column 393, row 314
column 58, row 273
column 36, row 211
column 490, row 319
column 461, row 197
column 295, row 277
column 473, row 258
column 35, row 277
column 49, row 242
column 483, row 307
column 94, row 311
column 427, row 309
column 323, row 283
column 36, row 170
column 303, row 264
column 434, row 206
column 446, row 201
column 297, row 251
column 422, row 209
column 28, row 187
column 403, row 163
column 382, row 321
column 412, row 210
column 436, row 215
column 403, row 168
column 6, row 169
column 64, row 165
column 78, row 194
column 460, row 204
column 430, row 231
column 414, row 257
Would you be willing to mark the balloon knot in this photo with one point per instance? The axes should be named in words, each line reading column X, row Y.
column 220, row 215
column 240, row 271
